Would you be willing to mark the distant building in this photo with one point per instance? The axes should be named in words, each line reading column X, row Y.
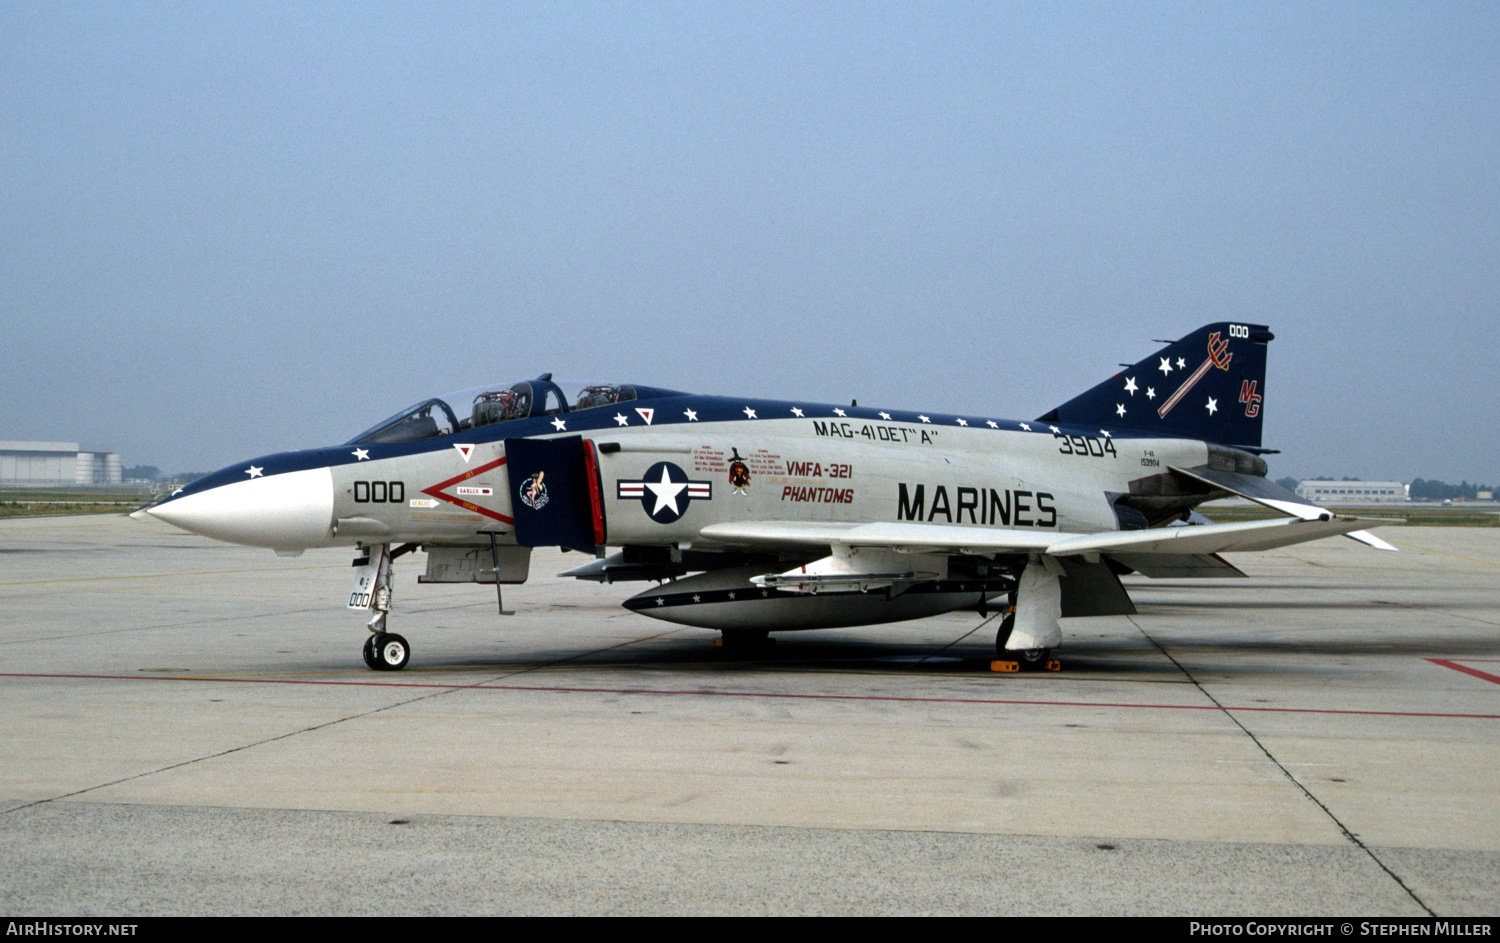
column 54, row 464
column 1350, row 492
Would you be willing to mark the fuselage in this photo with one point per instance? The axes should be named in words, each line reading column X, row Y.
column 665, row 465
column 755, row 516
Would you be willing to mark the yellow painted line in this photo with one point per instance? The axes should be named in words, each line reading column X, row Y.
column 156, row 576
column 1401, row 543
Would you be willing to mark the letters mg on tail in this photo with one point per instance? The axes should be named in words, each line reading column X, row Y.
column 753, row 516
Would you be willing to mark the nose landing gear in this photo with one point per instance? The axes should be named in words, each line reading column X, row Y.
column 383, row 651
column 386, row 651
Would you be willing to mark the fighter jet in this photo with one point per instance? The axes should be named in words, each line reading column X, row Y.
column 753, row 516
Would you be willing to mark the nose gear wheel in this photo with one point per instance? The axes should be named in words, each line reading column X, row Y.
column 387, row 652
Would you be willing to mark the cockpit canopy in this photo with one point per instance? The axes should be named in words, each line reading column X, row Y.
column 486, row 405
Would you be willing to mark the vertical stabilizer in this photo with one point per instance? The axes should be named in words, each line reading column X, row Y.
column 1209, row 385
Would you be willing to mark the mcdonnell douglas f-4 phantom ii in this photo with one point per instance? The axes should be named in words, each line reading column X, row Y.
column 758, row 515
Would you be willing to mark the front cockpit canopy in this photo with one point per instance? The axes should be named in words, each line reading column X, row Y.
column 480, row 406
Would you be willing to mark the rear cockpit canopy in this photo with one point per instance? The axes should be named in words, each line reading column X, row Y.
column 487, row 405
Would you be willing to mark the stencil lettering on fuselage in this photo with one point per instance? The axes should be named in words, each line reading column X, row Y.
column 995, row 507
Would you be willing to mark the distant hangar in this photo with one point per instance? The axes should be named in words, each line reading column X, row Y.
column 54, row 464
column 1347, row 492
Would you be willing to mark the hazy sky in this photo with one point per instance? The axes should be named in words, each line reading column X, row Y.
column 228, row 229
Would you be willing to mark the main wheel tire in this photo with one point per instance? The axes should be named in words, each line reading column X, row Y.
column 1033, row 659
column 391, row 651
column 1007, row 625
column 369, row 652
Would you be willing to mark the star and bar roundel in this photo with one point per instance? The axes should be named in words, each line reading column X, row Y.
column 665, row 491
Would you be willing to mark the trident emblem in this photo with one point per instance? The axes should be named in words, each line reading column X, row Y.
column 1219, row 349
column 1218, row 356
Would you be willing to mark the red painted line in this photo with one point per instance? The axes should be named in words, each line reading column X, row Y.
column 662, row 692
column 1493, row 679
column 437, row 491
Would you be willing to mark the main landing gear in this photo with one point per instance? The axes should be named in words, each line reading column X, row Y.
column 1019, row 659
column 1036, row 606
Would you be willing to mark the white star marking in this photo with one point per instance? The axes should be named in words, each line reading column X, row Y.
column 1104, row 432
column 622, row 419
column 924, row 419
column 1119, row 409
column 1151, row 392
column 360, row 454
column 1054, row 429
column 559, row 425
column 992, row 424
column 1213, row 405
column 697, row 598
column 1025, row 426
column 254, row 472
column 731, row 594
column 660, row 601
column 749, row 413
column 666, row 492
column 1181, row 364
column 796, row 412
column 1130, row 386
column 1166, row 365
column 692, row 416
column 885, row 415
column 962, row 422
column 839, row 412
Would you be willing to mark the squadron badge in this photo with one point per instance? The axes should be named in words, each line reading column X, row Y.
column 739, row 472
column 533, row 493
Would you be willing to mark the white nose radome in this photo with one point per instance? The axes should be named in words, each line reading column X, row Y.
column 286, row 512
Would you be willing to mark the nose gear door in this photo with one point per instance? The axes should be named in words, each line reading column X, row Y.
column 555, row 493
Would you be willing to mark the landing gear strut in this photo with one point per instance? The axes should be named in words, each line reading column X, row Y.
column 383, row 651
column 1036, row 604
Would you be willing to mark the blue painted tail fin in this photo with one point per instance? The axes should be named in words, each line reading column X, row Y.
column 1209, row 385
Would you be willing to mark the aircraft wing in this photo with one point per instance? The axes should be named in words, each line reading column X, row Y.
column 909, row 537
column 947, row 538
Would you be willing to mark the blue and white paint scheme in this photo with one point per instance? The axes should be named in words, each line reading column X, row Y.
column 760, row 515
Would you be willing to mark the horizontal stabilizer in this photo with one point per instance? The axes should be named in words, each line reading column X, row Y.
column 1369, row 540
column 1274, row 496
column 1257, row 489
